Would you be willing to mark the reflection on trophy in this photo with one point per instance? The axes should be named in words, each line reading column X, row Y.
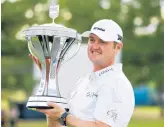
column 49, row 43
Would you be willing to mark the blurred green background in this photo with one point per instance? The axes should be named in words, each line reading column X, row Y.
column 142, row 22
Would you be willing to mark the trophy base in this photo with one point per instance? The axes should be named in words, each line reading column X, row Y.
column 40, row 102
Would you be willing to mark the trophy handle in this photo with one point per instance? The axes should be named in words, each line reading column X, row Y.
column 59, row 62
column 78, row 47
column 36, row 51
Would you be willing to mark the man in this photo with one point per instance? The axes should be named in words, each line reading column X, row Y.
column 103, row 98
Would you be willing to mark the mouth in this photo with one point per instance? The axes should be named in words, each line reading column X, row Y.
column 95, row 52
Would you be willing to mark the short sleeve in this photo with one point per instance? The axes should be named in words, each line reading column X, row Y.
column 109, row 107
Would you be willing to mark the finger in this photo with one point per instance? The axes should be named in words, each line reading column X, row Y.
column 31, row 56
column 51, row 104
column 42, row 110
column 49, row 61
column 34, row 58
column 39, row 64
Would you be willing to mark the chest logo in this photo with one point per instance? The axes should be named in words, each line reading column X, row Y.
column 91, row 94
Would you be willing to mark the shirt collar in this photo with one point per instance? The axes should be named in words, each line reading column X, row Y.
column 117, row 67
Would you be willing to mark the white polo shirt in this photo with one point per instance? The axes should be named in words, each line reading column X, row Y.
column 105, row 95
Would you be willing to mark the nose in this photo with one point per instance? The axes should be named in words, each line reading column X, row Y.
column 96, row 45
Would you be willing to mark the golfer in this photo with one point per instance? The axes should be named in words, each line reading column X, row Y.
column 104, row 97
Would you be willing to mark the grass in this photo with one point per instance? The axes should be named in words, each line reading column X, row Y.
column 147, row 112
column 142, row 117
column 144, row 122
column 37, row 123
column 135, row 122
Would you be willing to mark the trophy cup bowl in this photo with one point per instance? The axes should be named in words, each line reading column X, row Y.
column 49, row 43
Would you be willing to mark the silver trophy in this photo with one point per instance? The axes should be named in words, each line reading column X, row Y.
column 50, row 43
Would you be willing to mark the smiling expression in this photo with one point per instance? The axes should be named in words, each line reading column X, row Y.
column 101, row 53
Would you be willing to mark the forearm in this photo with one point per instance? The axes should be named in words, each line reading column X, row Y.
column 52, row 123
column 76, row 122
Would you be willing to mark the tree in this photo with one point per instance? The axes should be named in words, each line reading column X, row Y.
column 16, row 67
column 143, row 55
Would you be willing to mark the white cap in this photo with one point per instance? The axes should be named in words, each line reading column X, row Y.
column 107, row 30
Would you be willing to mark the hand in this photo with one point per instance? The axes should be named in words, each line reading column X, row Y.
column 53, row 114
column 36, row 61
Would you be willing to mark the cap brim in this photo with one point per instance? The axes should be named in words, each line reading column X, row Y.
column 86, row 34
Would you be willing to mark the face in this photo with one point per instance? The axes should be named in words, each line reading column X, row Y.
column 101, row 53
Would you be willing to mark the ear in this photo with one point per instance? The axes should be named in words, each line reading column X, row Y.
column 119, row 46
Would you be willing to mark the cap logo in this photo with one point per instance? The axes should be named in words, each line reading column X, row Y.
column 119, row 37
column 97, row 28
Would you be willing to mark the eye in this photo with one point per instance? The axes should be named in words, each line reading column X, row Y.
column 91, row 40
column 102, row 42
